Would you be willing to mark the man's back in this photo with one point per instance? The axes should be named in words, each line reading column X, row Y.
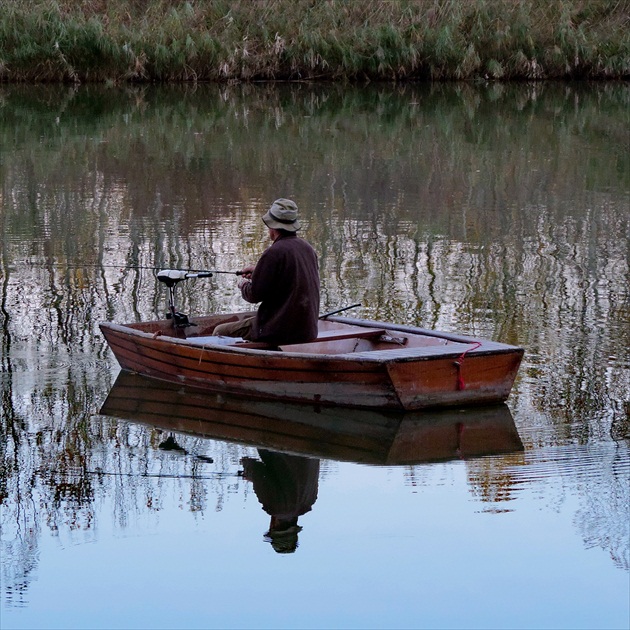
column 286, row 283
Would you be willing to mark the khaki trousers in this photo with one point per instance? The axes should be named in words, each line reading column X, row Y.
column 241, row 328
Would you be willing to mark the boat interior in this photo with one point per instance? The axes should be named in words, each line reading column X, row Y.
column 335, row 336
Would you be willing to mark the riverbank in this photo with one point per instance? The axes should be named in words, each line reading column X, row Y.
column 117, row 41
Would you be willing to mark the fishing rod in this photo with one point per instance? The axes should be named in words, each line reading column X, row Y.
column 339, row 310
column 121, row 267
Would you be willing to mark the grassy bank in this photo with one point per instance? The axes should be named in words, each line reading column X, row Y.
column 243, row 40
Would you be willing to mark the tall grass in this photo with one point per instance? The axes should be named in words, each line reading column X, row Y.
column 247, row 40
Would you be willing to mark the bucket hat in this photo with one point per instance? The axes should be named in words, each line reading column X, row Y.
column 282, row 216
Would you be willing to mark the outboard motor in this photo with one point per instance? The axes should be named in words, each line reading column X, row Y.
column 170, row 277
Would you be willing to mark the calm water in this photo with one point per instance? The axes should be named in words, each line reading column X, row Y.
column 499, row 211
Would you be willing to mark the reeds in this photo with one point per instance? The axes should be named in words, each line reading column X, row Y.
column 250, row 40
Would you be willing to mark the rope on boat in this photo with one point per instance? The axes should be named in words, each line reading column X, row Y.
column 460, row 361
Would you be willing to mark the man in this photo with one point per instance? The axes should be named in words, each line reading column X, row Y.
column 285, row 281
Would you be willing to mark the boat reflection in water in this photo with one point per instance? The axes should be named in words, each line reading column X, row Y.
column 292, row 438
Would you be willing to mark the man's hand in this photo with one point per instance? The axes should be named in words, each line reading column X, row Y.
column 246, row 272
column 242, row 282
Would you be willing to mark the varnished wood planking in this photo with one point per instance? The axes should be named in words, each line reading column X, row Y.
column 485, row 378
column 353, row 367
column 330, row 382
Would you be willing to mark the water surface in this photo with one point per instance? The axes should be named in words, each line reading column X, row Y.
column 501, row 211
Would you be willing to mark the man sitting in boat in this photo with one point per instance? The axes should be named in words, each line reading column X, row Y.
column 285, row 281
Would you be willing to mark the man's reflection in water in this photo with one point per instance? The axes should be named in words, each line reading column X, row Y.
column 286, row 486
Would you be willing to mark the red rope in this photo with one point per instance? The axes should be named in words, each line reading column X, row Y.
column 460, row 360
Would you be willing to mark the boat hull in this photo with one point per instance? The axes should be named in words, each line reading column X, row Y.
column 449, row 371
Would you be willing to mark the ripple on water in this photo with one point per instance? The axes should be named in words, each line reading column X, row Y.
column 573, row 462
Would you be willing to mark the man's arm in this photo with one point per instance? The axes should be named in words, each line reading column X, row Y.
column 263, row 278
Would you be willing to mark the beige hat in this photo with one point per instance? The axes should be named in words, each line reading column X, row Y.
column 282, row 216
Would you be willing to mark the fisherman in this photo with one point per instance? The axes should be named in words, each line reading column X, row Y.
column 285, row 281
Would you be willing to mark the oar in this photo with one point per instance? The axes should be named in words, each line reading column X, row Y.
column 339, row 310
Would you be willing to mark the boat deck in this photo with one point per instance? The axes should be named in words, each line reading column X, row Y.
column 364, row 342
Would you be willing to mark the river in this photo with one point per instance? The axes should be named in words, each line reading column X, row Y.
column 494, row 210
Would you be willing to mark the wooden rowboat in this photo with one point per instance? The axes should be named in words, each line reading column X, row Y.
column 364, row 436
column 353, row 363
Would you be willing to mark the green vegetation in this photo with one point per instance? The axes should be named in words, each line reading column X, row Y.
column 121, row 41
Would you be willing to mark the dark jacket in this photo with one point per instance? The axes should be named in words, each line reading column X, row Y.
column 286, row 283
